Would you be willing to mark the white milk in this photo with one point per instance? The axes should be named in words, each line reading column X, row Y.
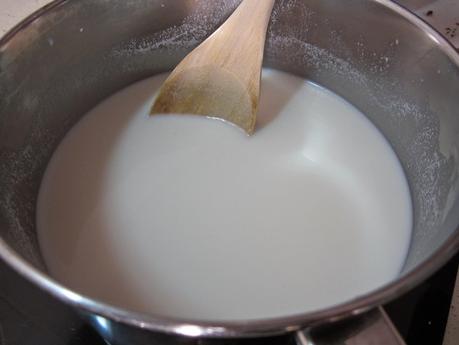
column 184, row 216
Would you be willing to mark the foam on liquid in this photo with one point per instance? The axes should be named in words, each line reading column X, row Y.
column 184, row 216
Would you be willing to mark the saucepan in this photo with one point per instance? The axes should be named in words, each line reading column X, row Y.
column 68, row 56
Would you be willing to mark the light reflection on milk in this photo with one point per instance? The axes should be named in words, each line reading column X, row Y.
column 183, row 216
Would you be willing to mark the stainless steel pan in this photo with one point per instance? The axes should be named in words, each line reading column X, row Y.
column 65, row 58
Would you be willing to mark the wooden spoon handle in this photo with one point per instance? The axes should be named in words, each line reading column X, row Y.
column 243, row 36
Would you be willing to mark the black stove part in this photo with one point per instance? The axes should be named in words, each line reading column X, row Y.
column 421, row 315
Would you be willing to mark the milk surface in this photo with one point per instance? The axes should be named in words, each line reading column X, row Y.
column 184, row 216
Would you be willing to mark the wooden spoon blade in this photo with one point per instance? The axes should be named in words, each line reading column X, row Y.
column 209, row 91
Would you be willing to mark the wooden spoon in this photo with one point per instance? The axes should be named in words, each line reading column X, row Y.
column 221, row 77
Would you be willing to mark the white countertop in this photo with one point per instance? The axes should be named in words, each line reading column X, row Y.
column 441, row 14
column 13, row 11
column 445, row 15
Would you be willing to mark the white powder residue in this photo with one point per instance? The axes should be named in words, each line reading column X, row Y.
column 307, row 54
column 17, row 171
column 205, row 18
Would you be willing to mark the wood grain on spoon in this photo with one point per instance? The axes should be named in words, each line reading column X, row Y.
column 221, row 77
